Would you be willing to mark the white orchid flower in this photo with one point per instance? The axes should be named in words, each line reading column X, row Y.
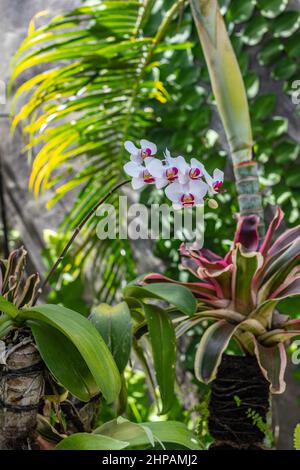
column 138, row 155
column 187, row 195
column 173, row 170
column 215, row 182
column 140, row 174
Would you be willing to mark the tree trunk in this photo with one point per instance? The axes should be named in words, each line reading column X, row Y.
column 239, row 404
column 21, row 387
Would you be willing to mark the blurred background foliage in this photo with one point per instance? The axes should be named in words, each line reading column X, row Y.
column 147, row 78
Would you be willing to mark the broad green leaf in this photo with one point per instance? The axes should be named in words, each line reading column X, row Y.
column 286, row 151
column 86, row 441
column 8, row 308
column 286, row 24
column 176, row 295
column 64, row 361
column 240, row 11
column 270, row 52
column 86, row 339
column 263, row 106
column 275, row 128
column 120, row 433
column 255, row 30
column 272, row 8
column 285, row 69
column 272, row 362
column 170, row 432
column 115, row 326
column 163, row 344
column 211, row 348
column 123, row 430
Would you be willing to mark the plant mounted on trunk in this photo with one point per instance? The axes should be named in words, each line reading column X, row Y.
column 68, row 344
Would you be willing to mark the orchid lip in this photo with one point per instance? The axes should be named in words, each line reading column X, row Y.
column 172, row 174
column 145, row 153
column 217, row 185
column 187, row 200
column 147, row 177
column 195, row 173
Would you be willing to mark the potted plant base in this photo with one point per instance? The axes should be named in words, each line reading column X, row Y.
column 239, row 404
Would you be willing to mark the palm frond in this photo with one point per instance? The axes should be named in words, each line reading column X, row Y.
column 93, row 95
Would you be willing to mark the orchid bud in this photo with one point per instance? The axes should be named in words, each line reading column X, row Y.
column 212, row 204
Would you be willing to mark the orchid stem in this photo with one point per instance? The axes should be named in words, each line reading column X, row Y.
column 73, row 237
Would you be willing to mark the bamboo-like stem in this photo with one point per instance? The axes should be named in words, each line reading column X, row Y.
column 230, row 94
column 74, row 235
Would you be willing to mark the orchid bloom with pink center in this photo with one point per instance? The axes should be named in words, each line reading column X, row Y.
column 138, row 155
column 141, row 175
column 172, row 171
column 184, row 182
column 215, row 182
column 186, row 195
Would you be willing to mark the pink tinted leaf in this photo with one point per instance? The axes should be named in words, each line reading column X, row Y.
column 210, row 350
column 271, row 231
column 247, row 233
column 288, row 237
column 272, row 362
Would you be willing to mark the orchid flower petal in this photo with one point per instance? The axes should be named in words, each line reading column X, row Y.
column 132, row 169
column 137, row 183
column 131, row 148
column 146, row 144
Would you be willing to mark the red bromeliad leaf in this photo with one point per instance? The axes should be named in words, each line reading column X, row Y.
column 290, row 287
column 210, row 350
column 271, row 231
column 278, row 272
column 223, row 279
column 278, row 336
column 272, row 362
column 288, row 237
column 247, row 233
column 292, row 325
column 264, row 312
column 206, row 290
column 219, row 314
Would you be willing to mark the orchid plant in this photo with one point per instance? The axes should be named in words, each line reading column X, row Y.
column 186, row 183
column 240, row 294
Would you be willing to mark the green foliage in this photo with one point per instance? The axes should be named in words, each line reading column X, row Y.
column 297, row 437
column 161, row 330
column 179, row 118
column 115, row 326
column 121, row 433
column 71, row 347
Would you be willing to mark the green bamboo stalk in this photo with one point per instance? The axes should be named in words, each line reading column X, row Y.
column 230, row 94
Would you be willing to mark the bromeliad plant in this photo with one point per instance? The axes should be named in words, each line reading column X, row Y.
column 240, row 294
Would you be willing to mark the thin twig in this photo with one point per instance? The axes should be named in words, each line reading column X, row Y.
column 75, row 234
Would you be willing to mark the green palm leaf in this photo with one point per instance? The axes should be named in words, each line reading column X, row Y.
column 94, row 95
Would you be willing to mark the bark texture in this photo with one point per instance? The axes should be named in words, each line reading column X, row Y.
column 238, row 391
column 21, row 388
